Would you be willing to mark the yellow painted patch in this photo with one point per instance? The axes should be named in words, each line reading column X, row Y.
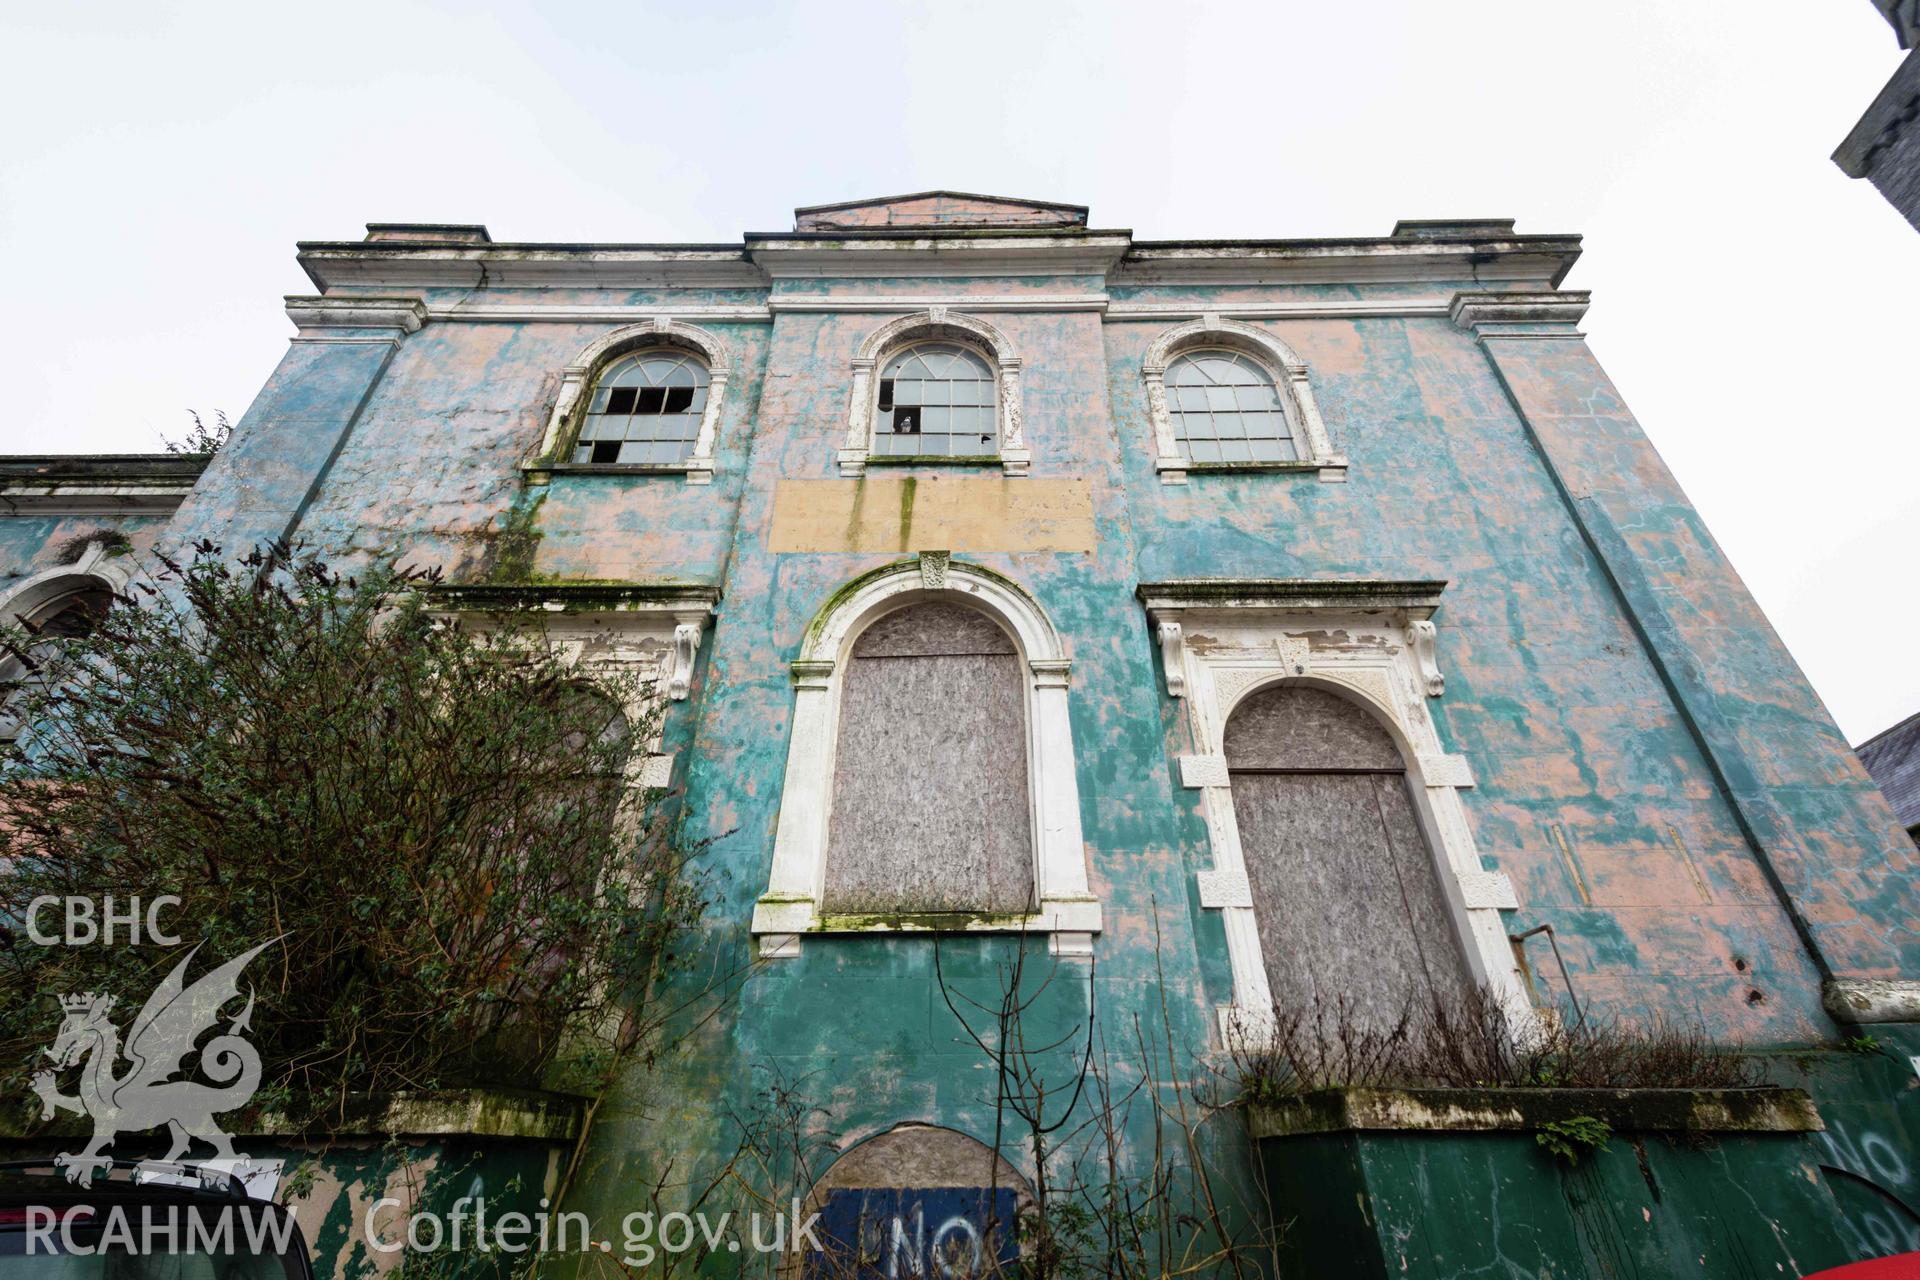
column 932, row 513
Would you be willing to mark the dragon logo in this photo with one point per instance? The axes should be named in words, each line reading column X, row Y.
column 145, row 1095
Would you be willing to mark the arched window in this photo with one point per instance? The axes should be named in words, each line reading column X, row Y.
column 930, row 805
column 936, row 385
column 1225, row 408
column 930, row 781
column 646, row 408
column 70, row 615
column 1346, row 892
column 643, row 396
column 936, row 399
column 1223, row 395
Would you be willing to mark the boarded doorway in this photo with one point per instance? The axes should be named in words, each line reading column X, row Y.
column 1345, row 889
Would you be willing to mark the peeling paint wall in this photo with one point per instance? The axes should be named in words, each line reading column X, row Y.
column 1651, row 770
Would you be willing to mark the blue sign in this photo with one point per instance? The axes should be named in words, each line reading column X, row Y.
column 926, row 1233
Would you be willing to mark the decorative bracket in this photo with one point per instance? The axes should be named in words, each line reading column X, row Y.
column 1420, row 638
column 686, row 643
column 933, row 569
column 1173, row 656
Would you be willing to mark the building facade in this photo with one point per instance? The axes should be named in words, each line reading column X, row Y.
column 1221, row 626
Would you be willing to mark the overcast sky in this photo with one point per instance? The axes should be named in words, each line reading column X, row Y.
column 1760, row 310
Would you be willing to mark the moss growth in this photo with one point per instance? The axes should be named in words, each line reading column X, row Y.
column 111, row 541
column 552, row 593
column 924, row 921
column 518, row 542
column 848, row 590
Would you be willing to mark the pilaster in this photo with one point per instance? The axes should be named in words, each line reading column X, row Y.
column 259, row 486
column 1830, row 849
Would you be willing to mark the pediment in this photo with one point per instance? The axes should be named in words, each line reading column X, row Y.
column 937, row 209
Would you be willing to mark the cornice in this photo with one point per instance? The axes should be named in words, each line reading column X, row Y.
column 818, row 255
column 1416, row 598
column 1463, row 254
column 1157, row 310
column 1539, row 260
column 893, row 304
column 576, row 597
column 1318, row 309
column 428, row 264
column 310, row 312
column 1521, row 314
column 97, row 484
column 574, row 313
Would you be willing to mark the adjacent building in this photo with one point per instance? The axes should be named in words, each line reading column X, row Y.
column 1892, row 758
column 1884, row 147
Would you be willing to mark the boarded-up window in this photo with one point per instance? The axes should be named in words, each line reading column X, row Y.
column 1345, row 890
column 930, row 809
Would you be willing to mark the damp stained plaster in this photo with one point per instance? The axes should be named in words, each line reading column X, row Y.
column 1652, row 773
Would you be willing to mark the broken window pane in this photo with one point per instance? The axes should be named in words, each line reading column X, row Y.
column 936, row 399
column 652, row 399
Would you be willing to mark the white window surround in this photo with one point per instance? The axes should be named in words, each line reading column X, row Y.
column 576, row 388
column 1372, row 643
column 96, row 569
column 951, row 326
column 650, row 633
column 1068, row 912
column 1290, row 379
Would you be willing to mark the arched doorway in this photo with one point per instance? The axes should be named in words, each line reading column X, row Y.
column 1345, row 888
column 917, row 1200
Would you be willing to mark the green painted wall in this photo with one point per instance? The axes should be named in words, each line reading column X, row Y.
column 1652, row 771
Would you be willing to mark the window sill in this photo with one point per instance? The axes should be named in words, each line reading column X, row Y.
column 696, row 470
column 779, row 923
column 1764, row 1109
column 1013, row 460
column 1176, row 470
column 936, row 460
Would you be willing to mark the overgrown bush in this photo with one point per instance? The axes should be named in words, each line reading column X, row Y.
column 431, row 822
column 1470, row 1043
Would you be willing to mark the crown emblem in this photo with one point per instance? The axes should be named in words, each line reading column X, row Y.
column 84, row 1001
